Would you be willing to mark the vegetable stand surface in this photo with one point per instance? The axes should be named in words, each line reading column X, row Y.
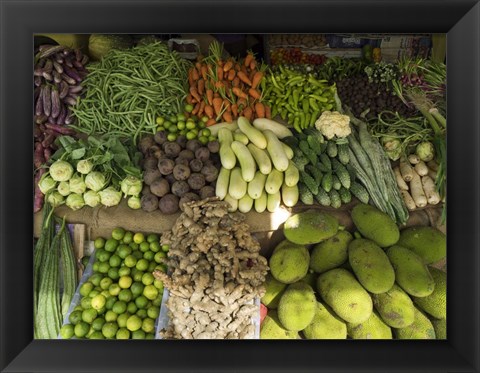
column 156, row 151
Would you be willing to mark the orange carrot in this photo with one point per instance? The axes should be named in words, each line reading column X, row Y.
column 191, row 82
column 234, row 108
column 231, row 75
column 220, row 63
column 209, row 111
column 210, row 122
column 260, row 110
column 237, row 67
column 219, row 73
column 248, row 113
column 189, row 99
column 204, row 71
column 257, row 78
column 268, row 112
column 201, row 86
column 216, row 95
column 248, row 59
column 195, row 74
column 217, row 105
column 194, row 93
column 236, row 81
column 227, row 117
column 196, row 108
column 219, row 84
column 198, row 66
column 228, row 65
column 210, row 96
column 254, row 93
column 244, row 78
column 253, row 65
column 239, row 93
column 202, row 108
column 241, row 102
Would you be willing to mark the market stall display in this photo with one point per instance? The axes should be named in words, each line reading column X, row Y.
column 340, row 155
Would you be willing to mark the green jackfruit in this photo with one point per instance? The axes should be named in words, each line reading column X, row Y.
column 310, row 227
column 310, row 279
column 272, row 328
column 440, row 327
column 341, row 291
column 411, row 273
column 330, row 253
column 421, row 328
column 373, row 328
column 274, row 290
column 394, row 307
column 375, row 225
column 325, row 325
column 435, row 304
column 297, row 306
column 289, row 263
column 427, row 242
column 371, row 265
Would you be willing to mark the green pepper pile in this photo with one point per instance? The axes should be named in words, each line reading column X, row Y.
column 298, row 98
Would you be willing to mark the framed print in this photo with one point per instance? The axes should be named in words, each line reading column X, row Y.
column 135, row 118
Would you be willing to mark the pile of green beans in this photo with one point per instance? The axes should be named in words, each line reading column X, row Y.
column 297, row 97
column 128, row 89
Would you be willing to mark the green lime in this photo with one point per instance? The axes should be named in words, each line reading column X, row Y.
column 123, row 251
column 188, row 108
column 114, row 289
column 111, row 245
column 165, row 248
column 206, row 132
column 137, row 288
column 95, row 279
column 119, row 307
column 110, row 302
column 144, row 247
column 67, row 331
column 104, row 267
column 141, row 301
column 78, row 308
column 190, row 124
column 86, row 288
column 155, row 246
column 124, row 271
column 109, row 329
column 110, row 316
column 138, row 237
column 211, row 138
column 152, row 238
column 181, row 117
column 158, row 284
column 93, row 293
column 102, row 310
column 161, row 267
column 203, row 140
column 95, row 266
column 151, row 266
column 153, row 312
column 142, row 265
column 172, row 118
column 138, row 334
column 75, row 317
column 97, row 335
column 134, row 246
column 160, row 129
column 123, row 333
column 134, row 323
column 167, row 124
column 118, row 233
column 81, row 329
column 137, row 255
column 99, row 243
column 190, row 135
column 105, row 283
column 141, row 313
column 160, row 120
column 204, row 119
column 147, row 279
column 181, row 125
column 113, row 273
column 86, row 303
column 102, row 255
column 150, row 336
column 201, row 125
column 98, row 323
column 125, row 282
column 159, row 257
column 128, row 237
column 148, row 325
column 130, row 261
column 138, row 275
column 125, row 295
column 115, row 261
column 132, row 308
column 122, row 319
column 89, row 315
column 148, row 255
column 157, row 302
column 172, row 129
column 150, row 292
column 99, row 301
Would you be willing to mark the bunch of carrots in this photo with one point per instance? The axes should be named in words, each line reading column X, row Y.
column 224, row 89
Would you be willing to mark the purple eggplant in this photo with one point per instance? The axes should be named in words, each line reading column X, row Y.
column 40, row 63
column 48, row 66
column 69, row 118
column 75, row 89
column 59, row 59
column 57, row 78
column 85, row 60
column 52, row 49
column 37, row 81
column 47, row 76
column 78, row 55
column 60, row 129
column 69, row 100
column 63, row 114
column 63, row 89
column 47, row 100
column 68, row 79
column 39, row 104
column 72, row 73
column 38, row 71
column 55, row 103
column 42, row 118
column 58, row 67
column 36, row 93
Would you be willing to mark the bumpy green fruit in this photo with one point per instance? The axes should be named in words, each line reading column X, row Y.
column 325, row 325
column 375, row 225
column 341, row 291
column 421, row 328
column 411, row 273
column 395, row 307
column 427, row 242
column 330, row 253
column 271, row 328
column 440, row 327
column 373, row 328
column 297, row 306
column 435, row 304
column 274, row 290
column 289, row 263
column 310, row 227
column 371, row 265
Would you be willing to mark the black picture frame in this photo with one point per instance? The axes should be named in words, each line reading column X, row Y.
column 21, row 19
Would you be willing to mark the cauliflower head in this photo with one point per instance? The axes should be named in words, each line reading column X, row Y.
column 332, row 123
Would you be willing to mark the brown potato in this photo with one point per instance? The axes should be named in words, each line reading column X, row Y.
column 166, row 166
column 149, row 202
column 168, row 204
column 150, row 175
column 181, row 171
column 179, row 188
column 160, row 187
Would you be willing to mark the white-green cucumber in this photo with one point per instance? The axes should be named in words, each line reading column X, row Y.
column 254, row 135
column 223, row 180
column 257, row 186
column 245, row 204
column 227, row 156
column 292, row 175
column 245, row 158
column 289, row 195
column 261, row 157
column 240, row 136
column 215, row 128
column 288, row 150
column 261, row 203
column 276, row 151
column 274, row 182
column 273, row 201
column 233, row 203
column 277, row 128
column 237, row 187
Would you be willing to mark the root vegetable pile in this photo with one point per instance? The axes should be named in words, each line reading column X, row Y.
column 216, row 274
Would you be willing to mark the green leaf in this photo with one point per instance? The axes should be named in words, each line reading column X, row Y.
column 78, row 153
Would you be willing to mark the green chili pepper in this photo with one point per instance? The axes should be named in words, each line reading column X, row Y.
column 296, row 124
column 313, row 104
column 319, row 98
column 296, row 93
column 302, row 120
column 305, row 105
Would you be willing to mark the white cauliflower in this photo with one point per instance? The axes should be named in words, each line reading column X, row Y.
column 332, row 123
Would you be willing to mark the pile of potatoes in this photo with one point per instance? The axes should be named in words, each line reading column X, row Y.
column 177, row 171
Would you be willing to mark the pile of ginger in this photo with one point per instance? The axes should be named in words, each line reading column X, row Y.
column 215, row 273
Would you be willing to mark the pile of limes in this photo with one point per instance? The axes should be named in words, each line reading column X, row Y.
column 121, row 299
